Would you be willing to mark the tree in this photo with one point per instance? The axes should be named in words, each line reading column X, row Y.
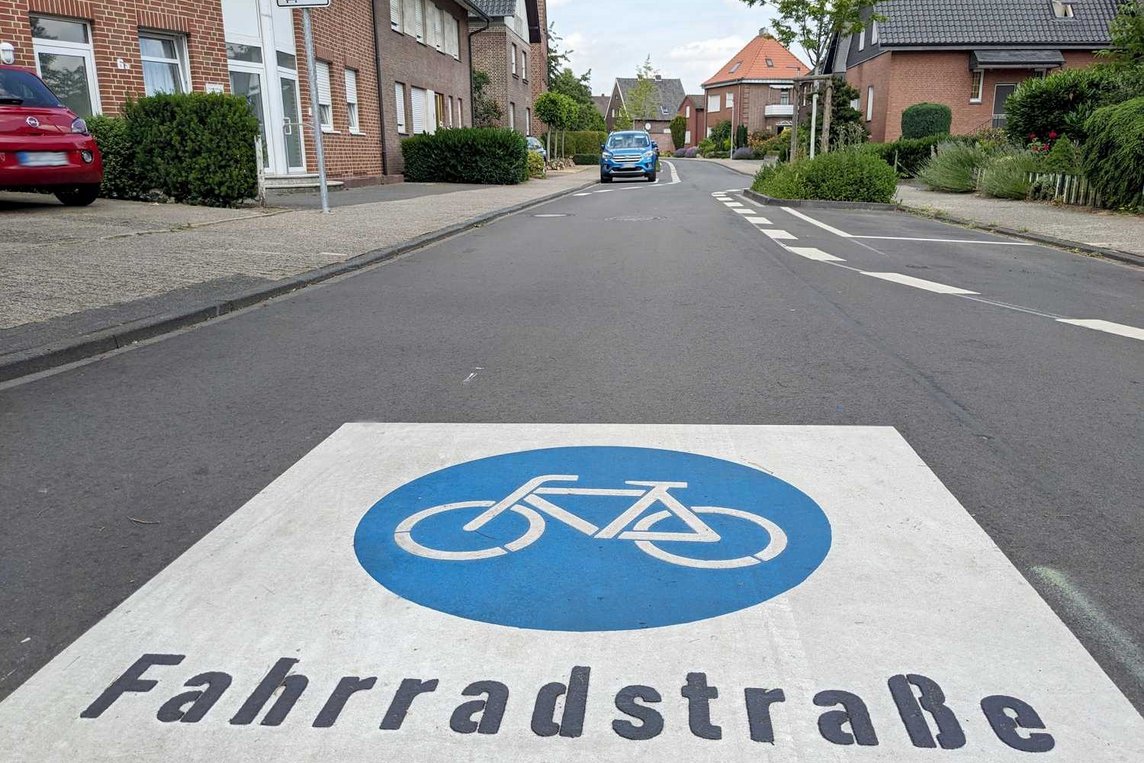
column 557, row 59
column 486, row 111
column 642, row 101
column 558, row 112
column 591, row 119
column 1127, row 33
column 567, row 83
column 812, row 24
column 679, row 131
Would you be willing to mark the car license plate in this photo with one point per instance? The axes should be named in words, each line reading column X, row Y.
column 42, row 158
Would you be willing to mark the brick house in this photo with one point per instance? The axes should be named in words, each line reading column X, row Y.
column 657, row 118
column 754, row 88
column 966, row 54
column 510, row 45
column 693, row 109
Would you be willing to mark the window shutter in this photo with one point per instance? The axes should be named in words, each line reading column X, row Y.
column 323, row 72
column 409, row 15
column 431, row 108
column 419, row 20
column 438, row 28
column 418, row 111
column 395, row 14
column 399, row 93
column 351, row 86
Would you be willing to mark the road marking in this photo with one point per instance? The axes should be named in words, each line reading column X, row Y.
column 582, row 194
column 732, row 204
column 947, row 240
column 812, row 221
column 744, row 211
column 777, row 235
column 403, row 582
column 811, row 253
column 1107, row 326
column 919, row 283
column 758, row 220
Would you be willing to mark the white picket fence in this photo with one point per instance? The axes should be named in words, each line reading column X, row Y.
column 1064, row 189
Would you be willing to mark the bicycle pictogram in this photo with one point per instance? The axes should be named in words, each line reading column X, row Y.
column 637, row 524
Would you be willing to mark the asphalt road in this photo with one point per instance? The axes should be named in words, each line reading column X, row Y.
column 636, row 304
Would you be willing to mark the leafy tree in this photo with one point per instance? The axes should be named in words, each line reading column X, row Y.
column 558, row 112
column 557, row 59
column 679, row 131
column 577, row 88
column 591, row 119
column 486, row 111
column 642, row 101
column 812, row 24
column 1127, row 32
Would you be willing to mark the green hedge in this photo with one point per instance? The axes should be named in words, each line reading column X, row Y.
column 1063, row 101
column 1113, row 156
column 586, row 160
column 536, row 168
column 485, row 155
column 837, row 176
column 196, row 148
column 120, row 180
column 576, row 142
column 925, row 119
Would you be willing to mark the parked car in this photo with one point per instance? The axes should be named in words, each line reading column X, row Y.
column 535, row 146
column 44, row 146
column 629, row 153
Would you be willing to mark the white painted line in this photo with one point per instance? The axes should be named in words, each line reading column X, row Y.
column 674, row 173
column 424, row 590
column 719, row 195
column 812, row 221
column 758, row 220
column 1107, row 326
column 582, row 194
column 811, row 253
column 744, row 211
column 919, row 283
column 780, row 235
column 947, row 240
column 732, row 204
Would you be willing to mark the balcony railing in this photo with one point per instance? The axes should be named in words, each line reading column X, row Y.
column 778, row 110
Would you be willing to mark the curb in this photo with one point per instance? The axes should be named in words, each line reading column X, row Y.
column 1099, row 251
column 815, row 204
column 52, row 355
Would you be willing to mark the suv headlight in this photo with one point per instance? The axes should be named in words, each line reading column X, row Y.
column 607, row 154
column 79, row 127
column 649, row 154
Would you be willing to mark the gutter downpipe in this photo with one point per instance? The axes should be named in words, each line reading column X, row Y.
column 472, row 69
column 380, row 87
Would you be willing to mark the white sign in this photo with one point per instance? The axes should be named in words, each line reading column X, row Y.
column 571, row 592
column 303, row 3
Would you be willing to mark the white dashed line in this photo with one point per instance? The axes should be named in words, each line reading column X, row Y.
column 780, row 234
column 583, row 194
column 919, row 283
column 1107, row 326
column 811, row 253
column 732, row 204
column 744, row 211
column 758, row 220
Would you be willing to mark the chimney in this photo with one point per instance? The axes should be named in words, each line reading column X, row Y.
column 658, row 77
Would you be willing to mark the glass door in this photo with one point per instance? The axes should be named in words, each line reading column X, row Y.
column 248, row 85
column 292, row 126
column 1001, row 94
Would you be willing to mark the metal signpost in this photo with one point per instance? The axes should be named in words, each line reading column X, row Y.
column 316, row 122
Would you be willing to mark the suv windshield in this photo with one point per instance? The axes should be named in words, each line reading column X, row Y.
column 627, row 141
column 24, row 89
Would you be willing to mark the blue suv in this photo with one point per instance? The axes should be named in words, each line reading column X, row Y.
column 628, row 154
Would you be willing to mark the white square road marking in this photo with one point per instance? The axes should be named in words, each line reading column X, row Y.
column 758, row 220
column 732, row 204
column 920, row 283
column 1107, row 326
column 811, row 253
column 778, row 235
column 909, row 599
column 745, row 211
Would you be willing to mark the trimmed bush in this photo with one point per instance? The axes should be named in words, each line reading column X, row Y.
column 577, row 142
column 1063, row 157
column 953, row 168
column 484, row 155
column 586, row 160
column 678, row 130
column 197, row 148
column 120, row 180
column 1113, row 156
column 744, row 153
column 692, row 152
column 1062, row 101
column 536, row 169
column 1007, row 177
column 680, row 153
column 925, row 119
column 782, row 181
column 836, row 176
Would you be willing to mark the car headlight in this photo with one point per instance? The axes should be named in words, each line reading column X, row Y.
column 607, row 154
column 87, row 156
column 649, row 154
column 79, row 127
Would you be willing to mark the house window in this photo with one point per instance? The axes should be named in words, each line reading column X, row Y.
column 861, row 39
column 449, row 119
column 514, row 63
column 869, row 103
column 976, row 86
column 713, row 103
column 460, row 113
column 512, row 116
column 784, row 97
column 420, row 125
column 164, row 63
column 352, row 101
column 438, row 29
column 399, row 93
column 770, row 63
column 1062, row 9
column 395, row 15
column 688, row 113
column 64, row 60
column 453, row 47
column 325, row 101
column 730, row 100
column 439, row 110
column 735, row 68
column 528, row 121
column 874, row 33
column 524, row 65
column 419, row 20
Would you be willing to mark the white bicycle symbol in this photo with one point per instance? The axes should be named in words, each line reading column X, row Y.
column 528, row 502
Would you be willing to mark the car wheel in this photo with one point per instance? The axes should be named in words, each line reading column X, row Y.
column 78, row 196
column 651, row 177
column 605, row 178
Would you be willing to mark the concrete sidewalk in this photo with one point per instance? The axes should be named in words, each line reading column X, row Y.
column 69, row 273
column 749, row 167
column 1089, row 228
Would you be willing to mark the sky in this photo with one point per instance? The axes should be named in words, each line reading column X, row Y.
column 688, row 39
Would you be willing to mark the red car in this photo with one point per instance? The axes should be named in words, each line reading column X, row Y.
column 44, row 146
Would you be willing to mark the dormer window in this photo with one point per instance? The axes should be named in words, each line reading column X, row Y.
column 1062, row 9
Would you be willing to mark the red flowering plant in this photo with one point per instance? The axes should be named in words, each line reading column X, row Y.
column 1040, row 147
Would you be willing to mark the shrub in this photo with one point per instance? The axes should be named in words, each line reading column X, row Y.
column 486, row 155
column 741, row 136
column 120, row 180
column 692, row 152
column 953, row 168
column 744, row 153
column 1063, row 157
column 197, row 148
column 1113, row 156
column 535, row 166
column 925, row 119
column 1007, row 176
column 680, row 153
column 586, row 160
column 721, row 131
column 782, row 181
column 706, row 147
column 678, row 130
column 1061, row 102
column 850, row 176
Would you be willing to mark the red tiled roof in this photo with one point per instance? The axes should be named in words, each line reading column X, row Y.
column 752, row 63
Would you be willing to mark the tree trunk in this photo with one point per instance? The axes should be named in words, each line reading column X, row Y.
column 797, row 100
column 827, row 109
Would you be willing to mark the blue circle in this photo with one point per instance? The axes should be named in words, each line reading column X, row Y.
column 651, row 572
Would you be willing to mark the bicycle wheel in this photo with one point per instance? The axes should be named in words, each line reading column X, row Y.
column 403, row 535
column 776, row 544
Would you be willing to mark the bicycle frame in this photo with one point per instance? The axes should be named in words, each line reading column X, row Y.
column 656, row 492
